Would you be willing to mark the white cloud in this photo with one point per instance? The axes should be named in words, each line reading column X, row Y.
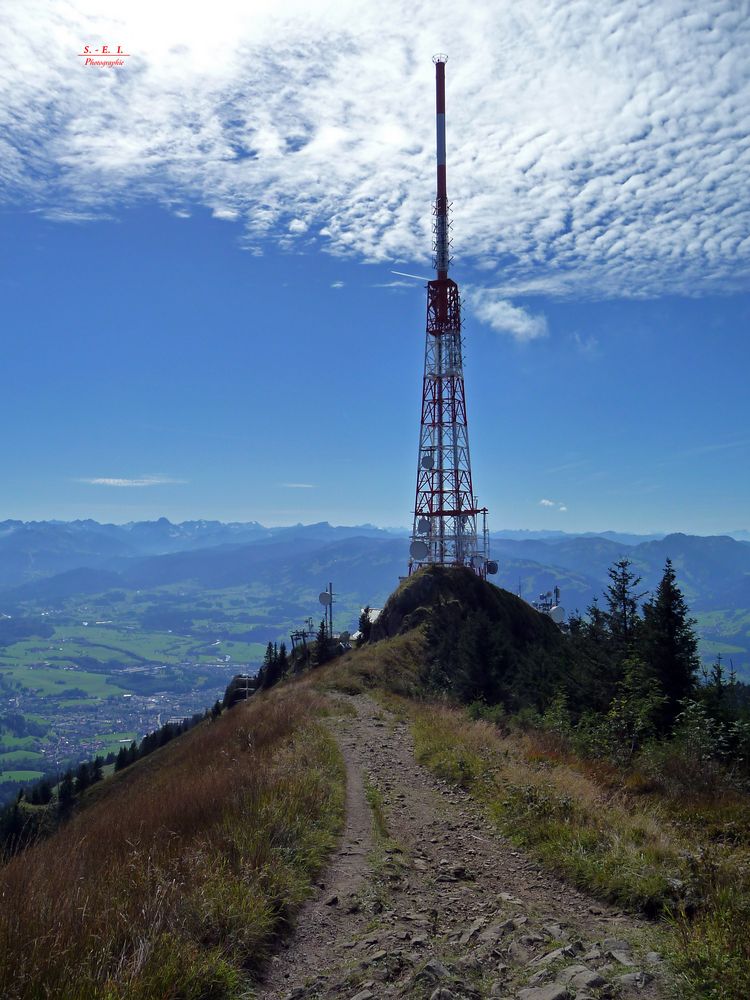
column 553, row 503
column 337, row 284
column 587, row 346
column 596, row 147
column 491, row 308
column 299, row 486
column 142, row 481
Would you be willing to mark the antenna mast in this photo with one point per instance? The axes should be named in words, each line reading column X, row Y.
column 445, row 529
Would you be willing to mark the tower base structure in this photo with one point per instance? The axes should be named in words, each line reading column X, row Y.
column 450, row 529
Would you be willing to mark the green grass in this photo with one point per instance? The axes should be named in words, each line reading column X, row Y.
column 20, row 775
column 113, row 741
column 726, row 632
column 19, row 742
column 174, row 877
column 377, row 807
column 578, row 818
column 53, row 681
column 12, row 756
column 124, row 648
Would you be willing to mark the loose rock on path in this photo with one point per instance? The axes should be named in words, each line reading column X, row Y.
column 443, row 907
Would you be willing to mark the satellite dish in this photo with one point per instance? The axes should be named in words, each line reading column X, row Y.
column 557, row 614
column 427, row 461
column 423, row 526
column 418, row 550
column 491, row 567
column 324, row 597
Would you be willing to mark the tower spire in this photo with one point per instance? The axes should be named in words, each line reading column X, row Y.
column 442, row 242
column 445, row 530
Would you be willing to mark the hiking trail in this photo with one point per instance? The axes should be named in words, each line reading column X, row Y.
column 425, row 898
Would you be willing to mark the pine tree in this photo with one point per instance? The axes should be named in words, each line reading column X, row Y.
column 596, row 627
column 44, row 791
column 669, row 646
column 283, row 660
column 621, row 617
column 83, row 777
column 97, row 772
column 364, row 626
column 322, row 652
column 66, row 792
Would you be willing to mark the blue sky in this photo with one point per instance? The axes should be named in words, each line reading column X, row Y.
column 200, row 317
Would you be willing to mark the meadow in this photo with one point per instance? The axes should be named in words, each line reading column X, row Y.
column 179, row 871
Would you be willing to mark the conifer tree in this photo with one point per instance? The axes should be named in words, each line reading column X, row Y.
column 83, row 777
column 66, row 792
column 322, row 652
column 44, row 791
column 283, row 660
column 621, row 617
column 669, row 646
column 364, row 626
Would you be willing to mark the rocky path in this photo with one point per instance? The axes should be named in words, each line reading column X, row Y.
column 424, row 899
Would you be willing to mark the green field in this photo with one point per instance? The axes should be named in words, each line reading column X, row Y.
column 48, row 681
column 113, row 741
column 20, row 775
column 19, row 742
column 14, row 756
column 122, row 647
column 726, row 633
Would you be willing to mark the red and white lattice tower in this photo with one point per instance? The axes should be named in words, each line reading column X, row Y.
column 446, row 530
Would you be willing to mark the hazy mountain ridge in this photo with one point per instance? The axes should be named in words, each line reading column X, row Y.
column 46, row 562
column 35, row 549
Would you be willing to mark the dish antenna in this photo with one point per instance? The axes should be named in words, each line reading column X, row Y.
column 418, row 550
column 326, row 599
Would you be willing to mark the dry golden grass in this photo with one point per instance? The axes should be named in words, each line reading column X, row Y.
column 176, row 875
column 392, row 664
column 583, row 821
column 591, row 832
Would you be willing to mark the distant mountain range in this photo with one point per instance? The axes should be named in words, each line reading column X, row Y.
column 51, row 560
column 33, row 550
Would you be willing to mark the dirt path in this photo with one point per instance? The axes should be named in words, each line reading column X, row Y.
column 439, row 905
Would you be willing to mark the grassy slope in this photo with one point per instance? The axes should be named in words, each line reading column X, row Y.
column 175, row 876
column 178, row 873
column 663, row 848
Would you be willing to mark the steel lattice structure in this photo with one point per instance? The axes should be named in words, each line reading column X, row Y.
column 446, row 530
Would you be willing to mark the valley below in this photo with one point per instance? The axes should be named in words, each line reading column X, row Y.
column 109, row 631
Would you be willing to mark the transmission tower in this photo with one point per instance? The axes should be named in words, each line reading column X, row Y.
column 447, row 530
